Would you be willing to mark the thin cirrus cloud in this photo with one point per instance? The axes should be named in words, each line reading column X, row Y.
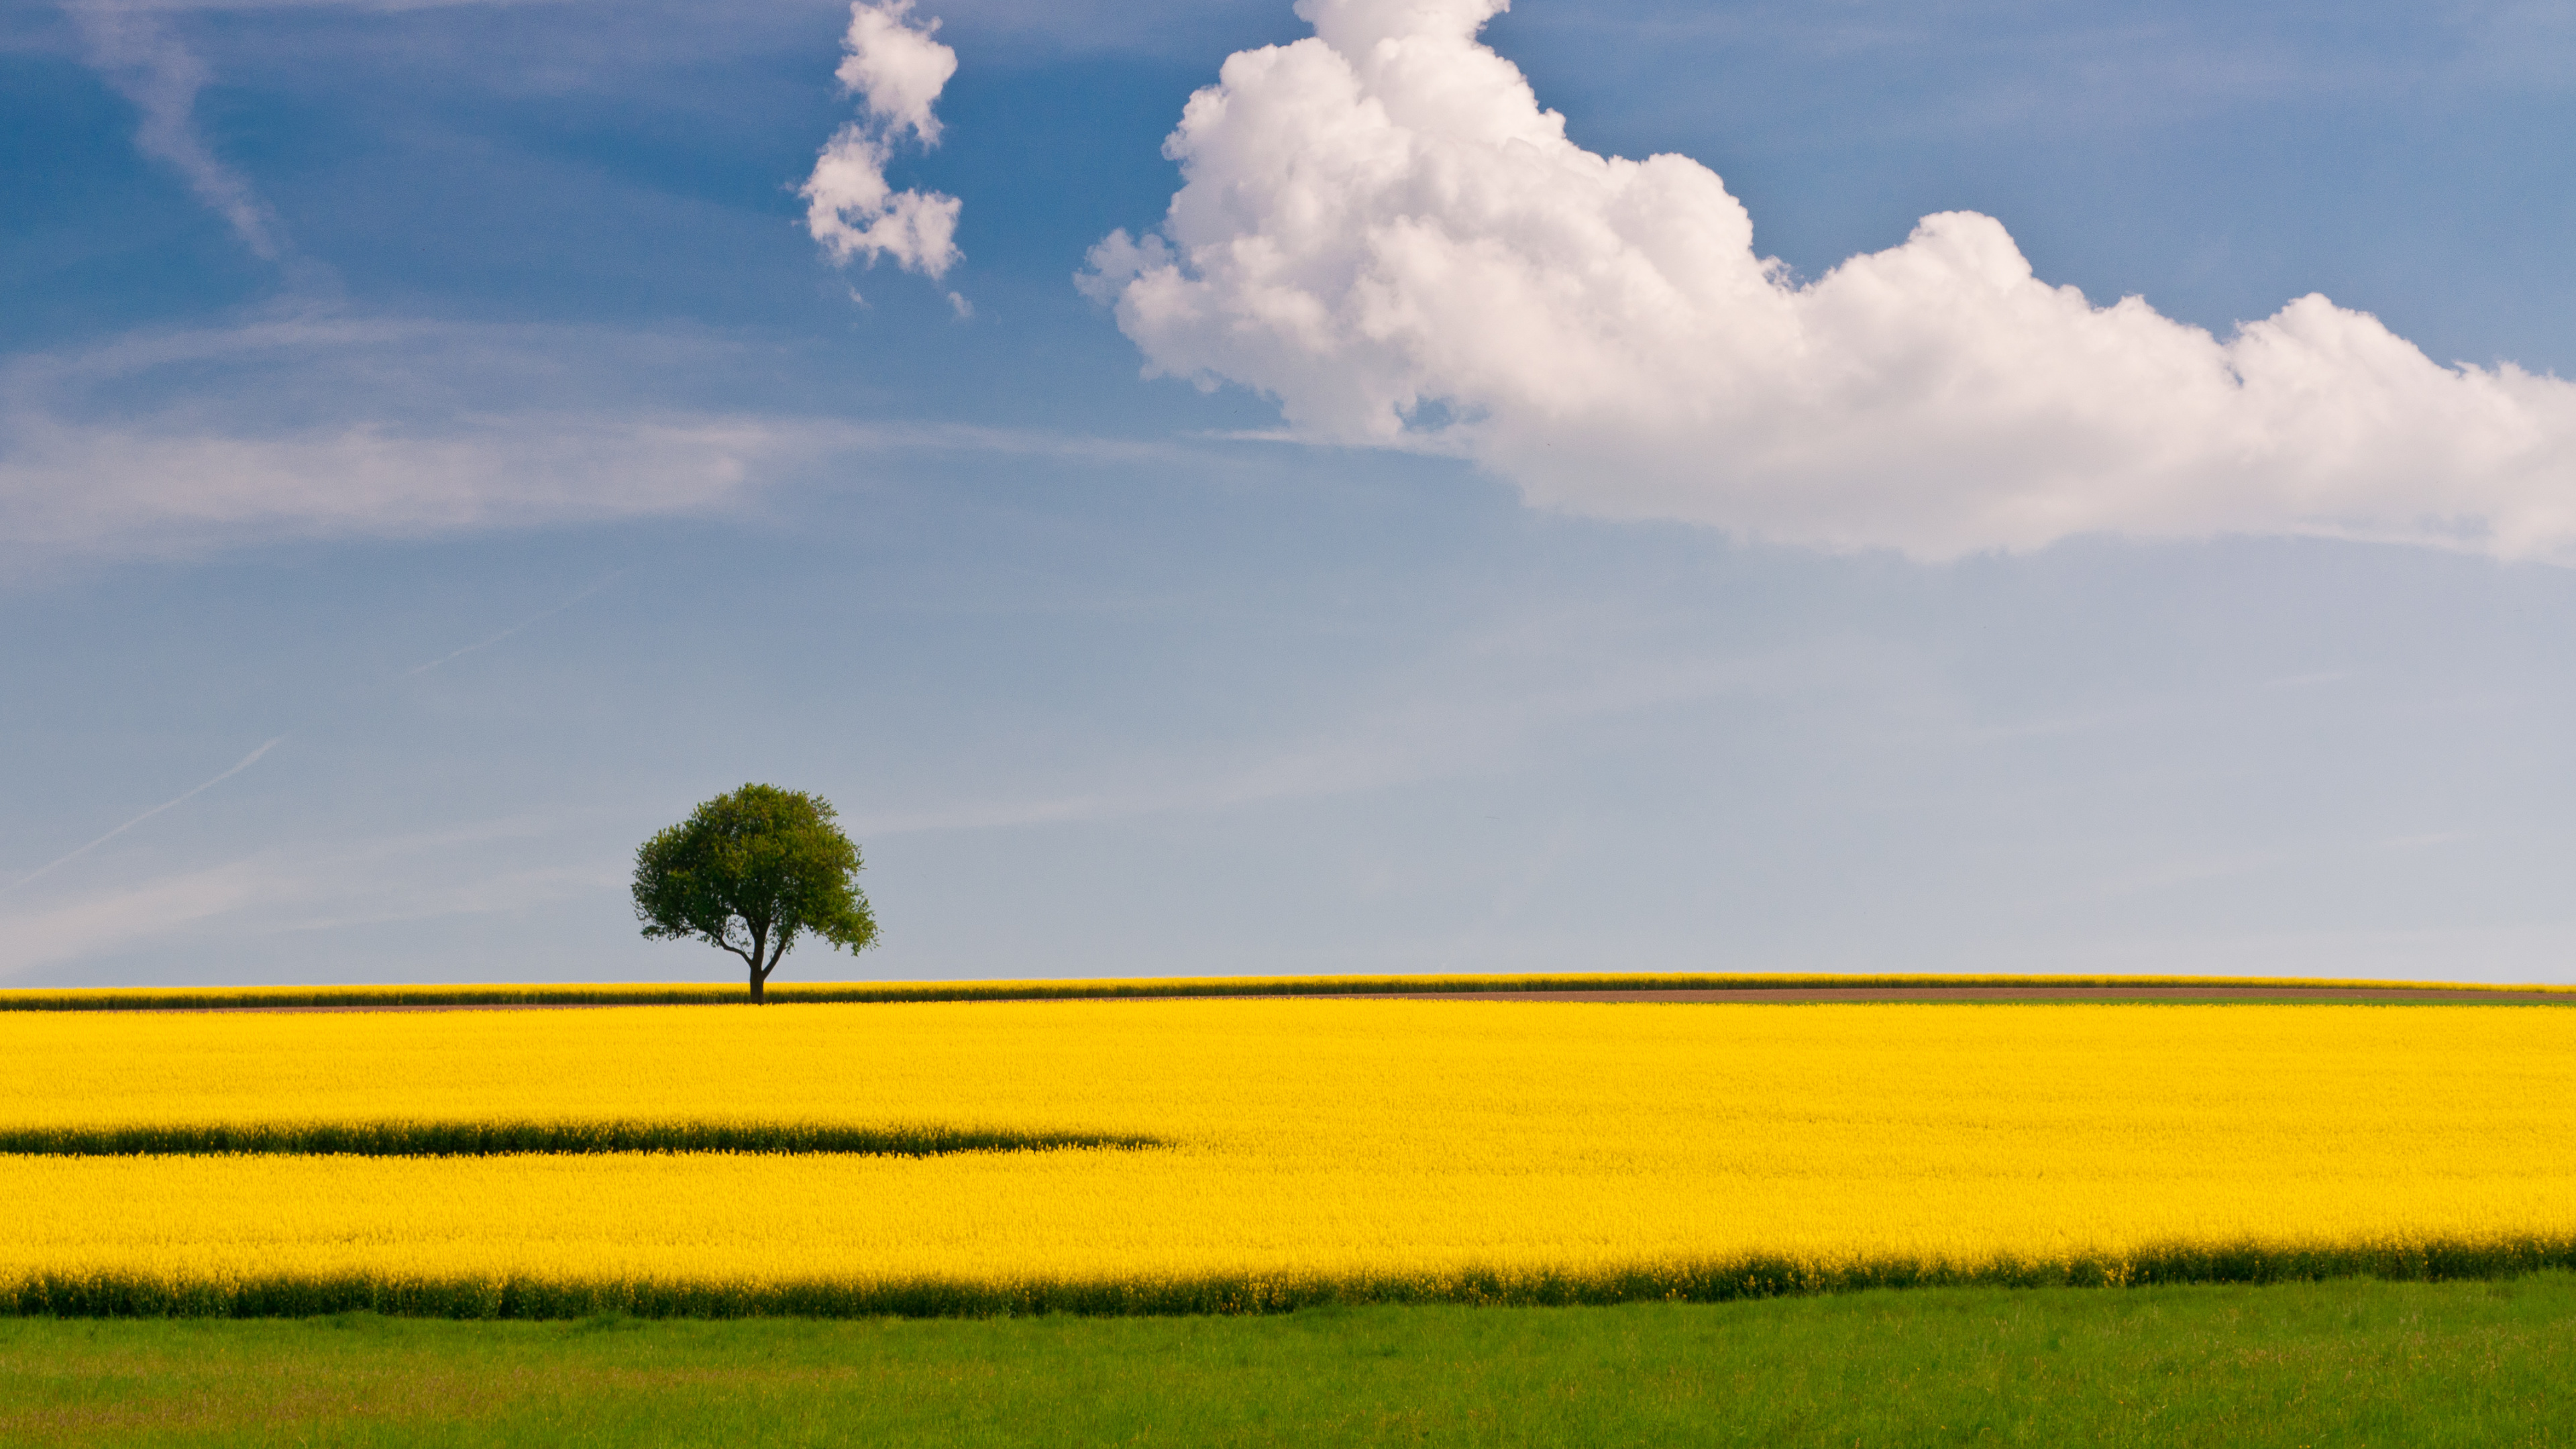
column 433, row 875
column 176, row 443
column 1379, row 227
column 896, row 70
column 87, row 490
column 183, row 443
column 136, row 54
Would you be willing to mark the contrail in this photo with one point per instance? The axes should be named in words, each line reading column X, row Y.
column 253, row 757
column 246, row 762
column 513, row 629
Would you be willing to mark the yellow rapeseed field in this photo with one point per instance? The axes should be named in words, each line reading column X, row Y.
column 1314, row 1149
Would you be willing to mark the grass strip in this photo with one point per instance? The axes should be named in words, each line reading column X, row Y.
column 123, row 1295
column 2346, row 1362
column 275, row 997
column 492, row 1139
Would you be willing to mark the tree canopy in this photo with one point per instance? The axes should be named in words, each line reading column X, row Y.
column 751, row 871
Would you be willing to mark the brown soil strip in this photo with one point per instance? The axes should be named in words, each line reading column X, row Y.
column 2309, row 995
column 1808, row 995
column 432, row 1006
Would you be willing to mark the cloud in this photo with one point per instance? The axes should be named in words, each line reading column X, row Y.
column 1380, row 228
column 1515, row 694
column 177, row 443
column 165, row 806
column 149, row 67
column 137, row 491
column 487, row 641
column 483, row 867
column 100, row 923
column 329, row 426
column 897, row 70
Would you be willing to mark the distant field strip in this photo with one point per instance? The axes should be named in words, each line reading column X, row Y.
column 494, row 1139
column 1754, row 987
column 1314, row 1151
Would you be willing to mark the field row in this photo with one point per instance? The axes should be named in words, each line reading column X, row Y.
column 222, row 1294
column 543, row 1138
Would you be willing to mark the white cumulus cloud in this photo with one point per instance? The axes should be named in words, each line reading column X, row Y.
column 1380, row 228
column 897, row 70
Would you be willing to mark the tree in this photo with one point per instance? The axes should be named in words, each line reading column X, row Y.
column 750, row 872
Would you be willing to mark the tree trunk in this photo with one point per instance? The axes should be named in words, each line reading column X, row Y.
column 759, row 979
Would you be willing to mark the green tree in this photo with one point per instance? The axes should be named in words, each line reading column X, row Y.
column 751, row 871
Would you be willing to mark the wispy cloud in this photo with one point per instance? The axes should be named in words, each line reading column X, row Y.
column 97, row 923
column 314, row 886
column 536, row 618
column 1487, row 721
column 67, row 857
column 254, row 757
column 167, row 7
column 319, row 427
column 136, row 52
column 158, row 490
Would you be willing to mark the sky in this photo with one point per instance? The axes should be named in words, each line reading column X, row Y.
column 1222, row 488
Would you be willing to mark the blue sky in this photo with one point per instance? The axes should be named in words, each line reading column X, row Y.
column 449, row 404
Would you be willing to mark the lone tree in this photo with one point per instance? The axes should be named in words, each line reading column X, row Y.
column 751, row 871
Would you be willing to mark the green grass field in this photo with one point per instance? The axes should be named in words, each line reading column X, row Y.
column 2342, row 1363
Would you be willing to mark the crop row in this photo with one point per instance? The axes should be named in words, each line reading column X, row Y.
column 100, row 1295
column 494, row 1139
